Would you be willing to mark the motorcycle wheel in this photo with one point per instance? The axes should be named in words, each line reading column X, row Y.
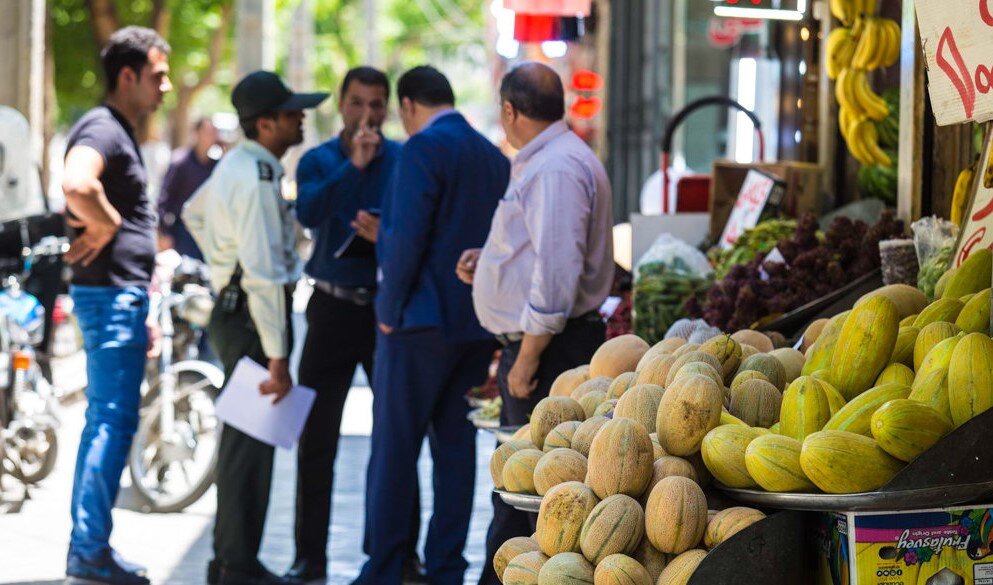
column 159, row 467
column 34, row 467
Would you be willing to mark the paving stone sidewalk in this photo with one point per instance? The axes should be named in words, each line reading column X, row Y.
column 176, row 547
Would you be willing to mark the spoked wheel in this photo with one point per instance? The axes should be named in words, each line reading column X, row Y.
column 36, row 449
column 172, row 472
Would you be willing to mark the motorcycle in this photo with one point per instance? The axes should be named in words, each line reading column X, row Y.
column 174, row 454
column 28, row 406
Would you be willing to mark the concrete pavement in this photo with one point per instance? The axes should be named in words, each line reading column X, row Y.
column 176, row 547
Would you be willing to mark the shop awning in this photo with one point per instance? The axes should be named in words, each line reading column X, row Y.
column 549, row 7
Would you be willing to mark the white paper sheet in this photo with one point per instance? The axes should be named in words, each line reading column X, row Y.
column 244, row 408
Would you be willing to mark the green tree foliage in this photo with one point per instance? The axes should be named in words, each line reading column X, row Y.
column 189, row 26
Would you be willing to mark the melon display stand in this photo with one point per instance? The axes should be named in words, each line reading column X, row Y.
column 958, row 469
column 773, row 551
column 503, row 434
column 523, row 502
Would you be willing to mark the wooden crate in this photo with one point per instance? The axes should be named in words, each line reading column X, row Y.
column 803, row 189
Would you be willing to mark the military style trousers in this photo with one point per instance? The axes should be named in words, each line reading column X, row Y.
column 244, row 464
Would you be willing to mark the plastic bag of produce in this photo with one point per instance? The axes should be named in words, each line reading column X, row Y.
column 671, row 251
column 666, row 276
column 934, row 239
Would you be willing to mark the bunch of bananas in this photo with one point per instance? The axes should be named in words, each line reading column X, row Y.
column 962, row 193
column 865, row 43
column 848, row 11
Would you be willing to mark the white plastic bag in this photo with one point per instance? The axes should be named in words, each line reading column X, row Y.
column 676, row 255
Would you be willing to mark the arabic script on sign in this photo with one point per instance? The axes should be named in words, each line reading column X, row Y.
column 748, row 208
column 957, row 36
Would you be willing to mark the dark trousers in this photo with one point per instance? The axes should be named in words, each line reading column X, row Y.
column 421, row 379
column 340, row 336
column 569, row 349
column 244, row 464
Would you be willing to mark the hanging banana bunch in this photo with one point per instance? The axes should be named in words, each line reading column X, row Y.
column 865, row 43
column 963, row 190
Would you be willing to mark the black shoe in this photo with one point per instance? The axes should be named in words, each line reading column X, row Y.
column 261, row 576
column 307, row 570
column 105, row 570
column 413, row 571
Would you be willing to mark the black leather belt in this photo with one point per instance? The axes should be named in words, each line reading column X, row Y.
column 507, row 339
column 360, row 296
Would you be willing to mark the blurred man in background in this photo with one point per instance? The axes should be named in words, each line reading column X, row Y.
column 245, row 228
column 340, row 188
column 547, row 265
column 431, row 350
column 190, row 167
column 112, row 257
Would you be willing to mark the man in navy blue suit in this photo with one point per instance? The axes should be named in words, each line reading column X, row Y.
column 431, row 348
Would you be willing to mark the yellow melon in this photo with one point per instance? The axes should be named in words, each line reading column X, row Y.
column 615, row 526
column 621, row 570
column 561, row 436
column 669, row 466
column 509, row 550
column 651, row 558
column 655, row 370
column 518, row 472
column 729, row 522
column 641, row 404
column 591, row 401
column 689, row 409
column 676, row 515
column 681, row 569
column 524, row 568
column 500, row 457
column 561, row 516
column 564, row 568
column 558, row 466
column 759, row 341
column 621, row 384
column 620, row 460
column 568, row 380
column 723, row 451
column 691, row 357
column 549, row 413
column 619, row 355
column 585, row 432
column 598, row 384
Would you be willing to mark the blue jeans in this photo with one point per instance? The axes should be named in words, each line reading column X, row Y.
column 113, row 323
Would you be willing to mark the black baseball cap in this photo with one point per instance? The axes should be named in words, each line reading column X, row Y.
column 263, row 91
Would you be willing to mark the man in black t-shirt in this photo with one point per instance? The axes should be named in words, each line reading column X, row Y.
column 112, row 257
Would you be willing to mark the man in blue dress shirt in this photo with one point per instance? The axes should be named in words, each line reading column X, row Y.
column 431, row 350
column 340, row 186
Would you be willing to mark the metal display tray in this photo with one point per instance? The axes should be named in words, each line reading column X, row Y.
column 482, row 423
column 522, row 502
column 882, row 501
column 958, row 469
column 503, row 434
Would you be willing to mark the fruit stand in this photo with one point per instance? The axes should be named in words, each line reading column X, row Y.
column 805, row 409
column 717, row 462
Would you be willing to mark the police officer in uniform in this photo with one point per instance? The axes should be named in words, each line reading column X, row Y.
column 246, row 231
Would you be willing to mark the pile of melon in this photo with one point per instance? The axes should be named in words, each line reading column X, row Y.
column 622, row 448
column 615, row 453
column 879, row 385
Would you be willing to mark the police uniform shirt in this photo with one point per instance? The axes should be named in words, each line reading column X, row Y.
column 240, row 216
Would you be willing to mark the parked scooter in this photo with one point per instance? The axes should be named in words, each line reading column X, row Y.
column 28, row 407
column 174, row 454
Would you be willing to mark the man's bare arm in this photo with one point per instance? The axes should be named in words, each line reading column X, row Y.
column 86, row 199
